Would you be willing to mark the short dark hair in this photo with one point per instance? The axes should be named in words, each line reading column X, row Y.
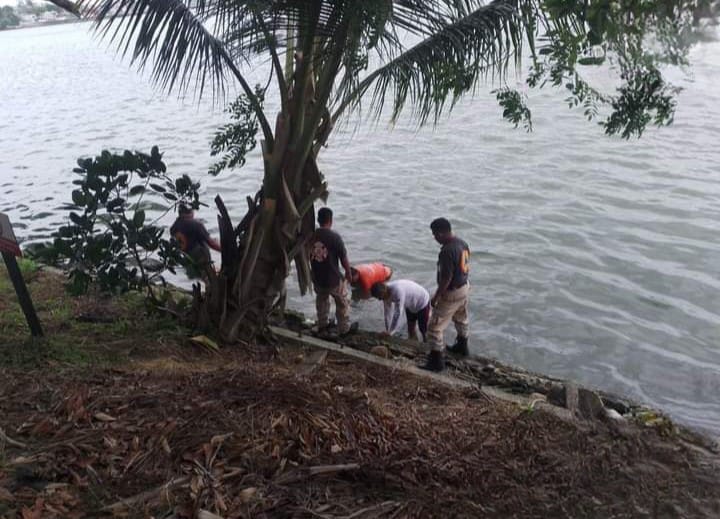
column 325, row 215
column 184, row 209
column 377, row 290
column 440, row 225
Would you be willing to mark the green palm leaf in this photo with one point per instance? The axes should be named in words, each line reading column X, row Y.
column 445, row 64
column 171, row 36
column 166, row 34
column 194, row 43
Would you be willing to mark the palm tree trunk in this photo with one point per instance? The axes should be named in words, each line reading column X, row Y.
column 258, row 253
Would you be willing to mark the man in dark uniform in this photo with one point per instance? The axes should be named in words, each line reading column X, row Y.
column 327, row 251
column 194, row 240
column 450, row 302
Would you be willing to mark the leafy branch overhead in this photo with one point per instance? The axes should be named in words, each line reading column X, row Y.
column 514, row 107
column 422, row 54
column 236, row 139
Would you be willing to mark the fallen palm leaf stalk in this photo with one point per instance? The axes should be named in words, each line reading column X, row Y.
column 257, row 440
column 9, row 441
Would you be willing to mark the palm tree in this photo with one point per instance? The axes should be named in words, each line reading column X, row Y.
column 332, row 57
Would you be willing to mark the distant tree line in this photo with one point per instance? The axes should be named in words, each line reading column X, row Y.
column 10, row 16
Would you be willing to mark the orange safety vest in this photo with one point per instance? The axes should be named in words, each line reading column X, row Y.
column 368, row 274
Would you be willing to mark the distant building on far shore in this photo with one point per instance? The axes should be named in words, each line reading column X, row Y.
column 29, row 14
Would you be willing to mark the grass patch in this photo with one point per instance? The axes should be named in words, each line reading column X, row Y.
column 92, row 330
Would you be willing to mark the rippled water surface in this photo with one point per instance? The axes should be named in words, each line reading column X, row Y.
column 593, row 258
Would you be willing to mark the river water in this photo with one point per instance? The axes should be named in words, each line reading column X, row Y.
column 594, row 258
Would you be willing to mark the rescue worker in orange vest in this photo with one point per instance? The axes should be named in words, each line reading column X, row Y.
column 450, row 301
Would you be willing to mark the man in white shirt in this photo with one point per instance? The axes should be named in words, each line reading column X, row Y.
column 408, row 296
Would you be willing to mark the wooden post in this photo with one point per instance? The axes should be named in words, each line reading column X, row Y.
column 23, row 294
column 10, row 248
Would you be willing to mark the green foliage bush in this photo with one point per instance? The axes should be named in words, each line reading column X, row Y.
column 109, row 240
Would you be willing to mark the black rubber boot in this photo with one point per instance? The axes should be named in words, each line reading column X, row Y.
column 460, row 347
column 435, row 362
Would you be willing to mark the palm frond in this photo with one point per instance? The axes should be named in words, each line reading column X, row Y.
column 170, row 36
column 166, row 34
column 447, row 63
column 67, row 5
column 245, row 35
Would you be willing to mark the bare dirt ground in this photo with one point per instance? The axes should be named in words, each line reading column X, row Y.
column 126, row 417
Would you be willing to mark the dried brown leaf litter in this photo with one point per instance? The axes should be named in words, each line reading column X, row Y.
column 179, row 430
column 341, row 440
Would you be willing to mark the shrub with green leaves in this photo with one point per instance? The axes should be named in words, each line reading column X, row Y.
column 109, row 239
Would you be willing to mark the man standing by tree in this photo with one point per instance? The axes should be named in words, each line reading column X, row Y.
column 194, row 239
column 450, row 301
column 327, row 250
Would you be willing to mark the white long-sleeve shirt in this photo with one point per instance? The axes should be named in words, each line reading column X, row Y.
column 404, row 295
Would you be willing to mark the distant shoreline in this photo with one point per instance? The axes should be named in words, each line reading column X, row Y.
column 43, row 24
